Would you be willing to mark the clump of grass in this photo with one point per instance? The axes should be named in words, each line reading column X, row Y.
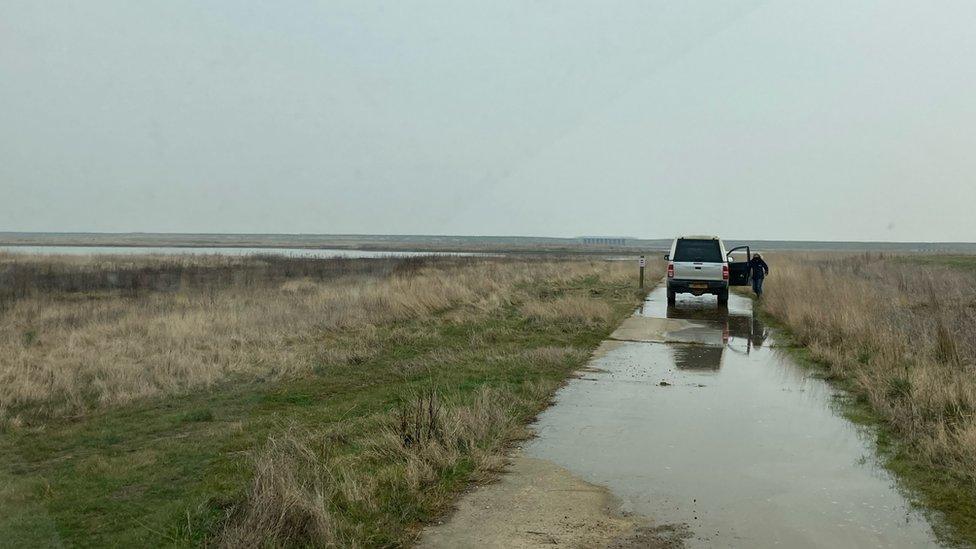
column 290, row 496
column 202, row 414
column 421, row 422
column 575, row 308
column 946, row 349
column 553, row 355
column 305, row 493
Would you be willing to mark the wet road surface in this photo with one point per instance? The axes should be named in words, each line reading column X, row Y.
column 692, row 418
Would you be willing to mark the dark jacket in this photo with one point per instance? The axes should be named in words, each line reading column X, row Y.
column 758, row 267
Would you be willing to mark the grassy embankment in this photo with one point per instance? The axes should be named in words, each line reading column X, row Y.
column 148, row 401
column 899, row 333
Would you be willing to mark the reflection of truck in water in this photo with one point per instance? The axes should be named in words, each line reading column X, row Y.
column 719, row 328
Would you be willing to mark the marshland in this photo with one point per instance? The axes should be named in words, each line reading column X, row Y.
column 314, row 274
column 898, row 332
column 274, row 400
column 270, row 400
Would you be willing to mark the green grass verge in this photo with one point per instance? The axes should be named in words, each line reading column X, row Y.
column 967, row 262
column 164, row 472
column 948, row 500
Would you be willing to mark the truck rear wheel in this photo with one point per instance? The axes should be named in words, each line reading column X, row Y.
column 723, row 297
column 672, row 297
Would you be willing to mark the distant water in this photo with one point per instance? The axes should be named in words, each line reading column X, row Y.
column 231, row 251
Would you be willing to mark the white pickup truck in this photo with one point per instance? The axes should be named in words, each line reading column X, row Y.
column 701, row 265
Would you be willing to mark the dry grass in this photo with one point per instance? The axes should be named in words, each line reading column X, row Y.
column 315, row 403
column 901, row 332
column 304, row 492
column 576, row 308
column 63, row 353
column 290, row 495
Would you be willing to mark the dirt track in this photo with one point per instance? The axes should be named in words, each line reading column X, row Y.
column 539, row 504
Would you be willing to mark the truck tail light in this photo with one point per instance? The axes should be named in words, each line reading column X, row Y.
column 670, row 270
column 725, row 272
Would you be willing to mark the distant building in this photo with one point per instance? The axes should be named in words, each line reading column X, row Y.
column 604, row 240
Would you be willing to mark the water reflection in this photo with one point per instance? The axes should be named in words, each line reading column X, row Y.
column 745, row 333
column 716, row 328
column 697, row 357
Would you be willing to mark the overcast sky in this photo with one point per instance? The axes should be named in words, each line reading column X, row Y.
column 750, row 119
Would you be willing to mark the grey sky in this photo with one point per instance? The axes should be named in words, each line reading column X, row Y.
column 807, row 120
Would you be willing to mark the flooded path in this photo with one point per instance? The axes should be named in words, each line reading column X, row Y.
column 691, row 418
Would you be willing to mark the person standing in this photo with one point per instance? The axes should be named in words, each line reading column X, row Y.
column 759, row 270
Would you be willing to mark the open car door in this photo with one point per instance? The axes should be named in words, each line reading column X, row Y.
column 739, row 266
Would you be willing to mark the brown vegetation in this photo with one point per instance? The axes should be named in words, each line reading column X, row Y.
column 902, row 333
column 83, row 333
column 275, row 401
column 578, row 308
column 304, row 491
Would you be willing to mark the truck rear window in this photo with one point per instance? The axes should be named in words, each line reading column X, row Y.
column 705, row 251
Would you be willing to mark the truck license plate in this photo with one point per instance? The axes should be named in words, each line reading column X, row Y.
column 700, row 286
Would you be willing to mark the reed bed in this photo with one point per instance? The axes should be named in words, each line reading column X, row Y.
column 901, row 332
column 275, row 402
column 81, row 334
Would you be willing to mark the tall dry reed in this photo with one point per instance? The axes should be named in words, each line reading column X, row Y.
column 305, row 493
column 71, row 342
column 901, row 332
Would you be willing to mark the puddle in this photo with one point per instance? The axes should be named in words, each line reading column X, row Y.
column 703, row 423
